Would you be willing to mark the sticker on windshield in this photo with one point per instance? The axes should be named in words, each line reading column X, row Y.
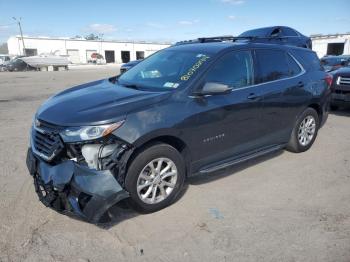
column 171, row 85
column 194, row 68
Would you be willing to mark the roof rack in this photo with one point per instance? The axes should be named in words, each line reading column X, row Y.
column 226, row 38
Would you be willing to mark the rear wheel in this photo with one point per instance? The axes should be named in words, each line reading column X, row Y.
column 304, row 132
column 155, row 177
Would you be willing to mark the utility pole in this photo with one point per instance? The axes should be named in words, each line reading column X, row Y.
column 20, row 30
column 101, row 40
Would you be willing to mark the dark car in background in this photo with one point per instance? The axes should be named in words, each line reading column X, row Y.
column 331, row 63
column 186, row 110
column 17, row 64
column 340, row 88
column 125, row 67
column 279, row 35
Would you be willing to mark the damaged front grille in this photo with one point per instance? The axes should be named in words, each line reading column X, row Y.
column 46, row 141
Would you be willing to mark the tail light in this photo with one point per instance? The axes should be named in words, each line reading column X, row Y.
column 329, row 80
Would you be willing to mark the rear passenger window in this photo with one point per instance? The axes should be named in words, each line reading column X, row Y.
column 234, row 69
column 294, row 68
column 272, row 64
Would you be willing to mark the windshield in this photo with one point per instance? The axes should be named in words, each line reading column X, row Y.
column 167, row 69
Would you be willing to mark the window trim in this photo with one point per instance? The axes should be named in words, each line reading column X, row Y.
column 252, row 51
column 278, row 80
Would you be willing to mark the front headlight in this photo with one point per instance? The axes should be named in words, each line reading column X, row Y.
column 76, row 134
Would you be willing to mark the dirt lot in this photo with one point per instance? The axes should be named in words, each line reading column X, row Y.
column 284, row 207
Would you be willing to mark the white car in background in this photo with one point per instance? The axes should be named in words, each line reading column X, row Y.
column 4, row 59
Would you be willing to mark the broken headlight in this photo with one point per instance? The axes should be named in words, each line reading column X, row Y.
column 76, row 134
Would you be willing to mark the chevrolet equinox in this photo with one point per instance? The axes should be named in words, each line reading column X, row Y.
column 192, row 108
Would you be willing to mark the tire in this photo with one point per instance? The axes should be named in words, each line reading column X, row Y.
column 140, row 175
column 334, row 107
column 300, row 139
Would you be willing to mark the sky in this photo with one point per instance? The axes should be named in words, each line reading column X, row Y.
column 169, row 20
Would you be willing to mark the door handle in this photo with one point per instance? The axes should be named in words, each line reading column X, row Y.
column 253, row 96
column 300, row 84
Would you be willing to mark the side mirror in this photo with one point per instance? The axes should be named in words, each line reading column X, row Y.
column 213, row 88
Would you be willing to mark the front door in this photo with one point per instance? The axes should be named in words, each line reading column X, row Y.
column 227, row 125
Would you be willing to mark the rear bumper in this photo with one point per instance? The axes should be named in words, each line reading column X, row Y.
column 70, row 187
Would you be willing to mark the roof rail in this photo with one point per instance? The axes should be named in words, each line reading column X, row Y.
column 217, row 39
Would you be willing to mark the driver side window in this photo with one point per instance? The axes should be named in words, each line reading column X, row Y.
column 234, row 69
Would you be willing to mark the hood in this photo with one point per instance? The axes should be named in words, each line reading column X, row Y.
column 343, row 71
column 95, row 103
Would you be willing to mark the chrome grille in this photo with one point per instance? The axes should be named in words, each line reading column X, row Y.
column 46, row 141
column 343, row 80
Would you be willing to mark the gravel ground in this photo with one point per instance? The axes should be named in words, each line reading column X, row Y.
column 282, row 207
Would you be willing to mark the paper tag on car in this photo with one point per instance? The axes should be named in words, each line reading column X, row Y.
column 171, row 85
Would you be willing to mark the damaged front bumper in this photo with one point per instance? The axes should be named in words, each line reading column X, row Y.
column 73, row 188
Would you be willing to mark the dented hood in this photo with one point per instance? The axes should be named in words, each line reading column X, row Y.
column 95, row 103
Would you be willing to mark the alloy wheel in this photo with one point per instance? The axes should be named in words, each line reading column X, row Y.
column 157, row 180
column 307, row 130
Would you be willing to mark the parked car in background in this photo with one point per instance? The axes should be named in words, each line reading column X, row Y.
column 188, row 109
column 279, row 35
column 125, row 67
column 4, row 59
column 331, row 63
column 18, row 64
column 340, row 88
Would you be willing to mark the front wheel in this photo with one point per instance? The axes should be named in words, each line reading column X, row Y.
column 304, row 132
column 155, row 177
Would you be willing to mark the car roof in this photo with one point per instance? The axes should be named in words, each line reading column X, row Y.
column 266, row 31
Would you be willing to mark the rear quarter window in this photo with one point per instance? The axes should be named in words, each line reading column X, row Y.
column 308, row 59
column 294, row 68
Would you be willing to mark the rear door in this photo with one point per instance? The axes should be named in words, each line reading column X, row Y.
column 282, row 87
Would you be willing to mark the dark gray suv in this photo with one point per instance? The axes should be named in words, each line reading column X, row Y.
column 189, row 109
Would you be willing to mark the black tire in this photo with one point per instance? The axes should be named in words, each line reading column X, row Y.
column 144, row 157
column 334, row 107
column 294, row 144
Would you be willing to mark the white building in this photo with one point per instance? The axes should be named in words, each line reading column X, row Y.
column 79, row 50
column 337, row 44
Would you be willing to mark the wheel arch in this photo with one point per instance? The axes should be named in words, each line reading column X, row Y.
column 318, row 109
column 171, row 140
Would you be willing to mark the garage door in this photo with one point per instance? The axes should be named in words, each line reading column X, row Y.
column 73, row 55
